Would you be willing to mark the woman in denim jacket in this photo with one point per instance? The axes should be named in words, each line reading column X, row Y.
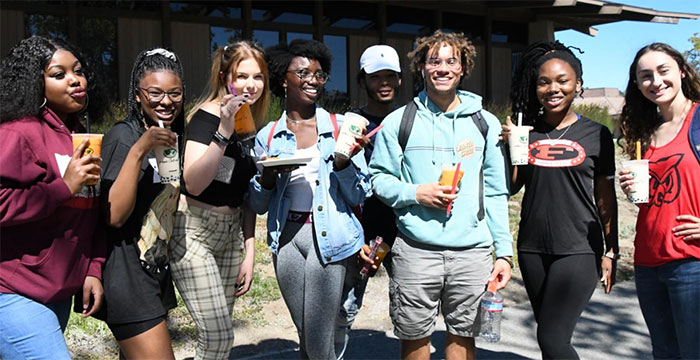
column 312, row 231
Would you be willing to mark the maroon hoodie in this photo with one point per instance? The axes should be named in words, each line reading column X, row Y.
column 47, row 237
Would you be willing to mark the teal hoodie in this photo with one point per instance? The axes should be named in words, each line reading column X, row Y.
column 439, row 138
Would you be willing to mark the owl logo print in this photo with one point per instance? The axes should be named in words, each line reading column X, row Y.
column 665, row 187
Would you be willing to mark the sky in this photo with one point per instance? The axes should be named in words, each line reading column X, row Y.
column 608, row 55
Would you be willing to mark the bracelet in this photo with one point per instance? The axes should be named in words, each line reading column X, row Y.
column 612, row 256
column 221, row 140
column 509, row 261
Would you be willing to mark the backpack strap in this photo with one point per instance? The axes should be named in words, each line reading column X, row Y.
column 272, row 133
column 694, row 133
column 409, row 114
column 334, row 121
column 483, row 129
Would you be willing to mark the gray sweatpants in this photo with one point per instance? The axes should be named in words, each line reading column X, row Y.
column 310, row 289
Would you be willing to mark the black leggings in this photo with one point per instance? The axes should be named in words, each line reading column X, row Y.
column 559, row 288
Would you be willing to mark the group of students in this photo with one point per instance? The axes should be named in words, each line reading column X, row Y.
column 61, row 237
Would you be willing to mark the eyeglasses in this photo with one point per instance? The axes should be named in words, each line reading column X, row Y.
column 306, row 75
column 452, row 63
column 156, row 95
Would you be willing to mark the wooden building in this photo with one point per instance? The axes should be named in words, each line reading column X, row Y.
column 113, row 32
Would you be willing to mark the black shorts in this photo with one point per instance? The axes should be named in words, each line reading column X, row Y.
column 134, row 295
column 128, row 330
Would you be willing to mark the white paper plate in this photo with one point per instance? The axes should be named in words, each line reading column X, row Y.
column 300, row 161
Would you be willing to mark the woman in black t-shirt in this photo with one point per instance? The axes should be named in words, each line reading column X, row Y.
column 212, row 225
column 569, row 204
column 138, row 286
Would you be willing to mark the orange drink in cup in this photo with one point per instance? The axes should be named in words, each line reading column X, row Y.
column 448, row 175
column 244, row 123
column 94, row 147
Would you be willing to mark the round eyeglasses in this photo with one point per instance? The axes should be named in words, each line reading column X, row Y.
column 434, row 63
column 156, row 95
column 307, row 75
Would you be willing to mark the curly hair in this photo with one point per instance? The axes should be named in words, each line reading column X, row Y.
column 22, row 79
column 640, row 116
column 461, row 46
column 148, row 61
column 226, row 60
column 281, row 55
column 523, row 90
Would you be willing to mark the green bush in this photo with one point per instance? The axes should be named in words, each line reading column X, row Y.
column 596, row 113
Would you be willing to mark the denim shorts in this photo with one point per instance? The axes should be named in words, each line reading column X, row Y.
column 426, row 278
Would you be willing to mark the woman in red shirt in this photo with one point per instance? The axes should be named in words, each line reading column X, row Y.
column 661, row 99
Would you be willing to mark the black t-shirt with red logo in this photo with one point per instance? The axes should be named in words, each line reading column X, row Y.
column 559, row 215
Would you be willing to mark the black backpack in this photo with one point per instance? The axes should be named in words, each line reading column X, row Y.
column 409, row 115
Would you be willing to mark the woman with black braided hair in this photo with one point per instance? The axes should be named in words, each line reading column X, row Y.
column 138, row 288
column 569, row 204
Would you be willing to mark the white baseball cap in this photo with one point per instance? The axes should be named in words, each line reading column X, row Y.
column 380, row 57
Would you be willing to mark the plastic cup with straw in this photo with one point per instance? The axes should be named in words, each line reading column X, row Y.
column 519, row 142
column 168, row 161
column 369, row 135
column 639, row 191
column 455, row 179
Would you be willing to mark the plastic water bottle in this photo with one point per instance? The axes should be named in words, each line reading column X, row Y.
column 491, row 313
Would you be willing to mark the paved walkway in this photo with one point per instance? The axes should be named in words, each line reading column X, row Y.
column 611, row 327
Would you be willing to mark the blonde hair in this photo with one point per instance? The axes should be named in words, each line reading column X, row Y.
column 462, row 47
column 226, row 60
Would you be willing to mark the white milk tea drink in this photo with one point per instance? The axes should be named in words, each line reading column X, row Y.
column 168, row 161
column 639, row 194
column 519, row 143
column 354, row 125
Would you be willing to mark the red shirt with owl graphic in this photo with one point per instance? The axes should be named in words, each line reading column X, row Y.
column 674, row 189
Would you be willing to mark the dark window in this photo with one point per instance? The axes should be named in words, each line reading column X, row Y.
column 266, row 38
column 293, row 36
column 352, row 23
column 221, row 36
column 339, row 65
column 294, row 18
column 97, row 39
column 46, row 25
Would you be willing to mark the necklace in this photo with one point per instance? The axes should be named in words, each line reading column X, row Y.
column 302, row 120
column 562, row 134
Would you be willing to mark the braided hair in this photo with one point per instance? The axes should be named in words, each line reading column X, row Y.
column 153, row 60
column 523, row 91
column 281, row 55
column 22, row 79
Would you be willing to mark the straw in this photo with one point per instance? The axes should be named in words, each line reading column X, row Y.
column 639, row 150
column 454, row 186
column 233, row 91
column 369, row 135
column 520, row 119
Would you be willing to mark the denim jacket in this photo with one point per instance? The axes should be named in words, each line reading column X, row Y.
column 337, row 229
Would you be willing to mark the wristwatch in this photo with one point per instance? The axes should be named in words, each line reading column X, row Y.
column 508, row 260
column 221, row 140
column 612, row 256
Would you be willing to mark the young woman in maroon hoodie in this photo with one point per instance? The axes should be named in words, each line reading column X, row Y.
column 48, row 215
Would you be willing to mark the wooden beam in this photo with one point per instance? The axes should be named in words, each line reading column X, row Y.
column 381, row 22
column 73, row 22
column 488, row 52
column 437, row 19
column 247, row 17
column 165, row 28
column 318, row 20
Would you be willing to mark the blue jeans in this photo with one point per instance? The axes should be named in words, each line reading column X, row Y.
column 31, row 330
column 669, row 296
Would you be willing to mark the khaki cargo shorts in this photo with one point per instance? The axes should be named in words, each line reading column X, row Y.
column 427, row 277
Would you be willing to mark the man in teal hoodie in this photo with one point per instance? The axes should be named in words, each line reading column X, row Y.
column 440, row 259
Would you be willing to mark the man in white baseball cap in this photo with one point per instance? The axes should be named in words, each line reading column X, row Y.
column 380, row 76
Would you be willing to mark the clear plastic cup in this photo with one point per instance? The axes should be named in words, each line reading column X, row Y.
column 639, row 193
column 518, row 144
column 168, row 161
column 353, row 125
column 94, row 147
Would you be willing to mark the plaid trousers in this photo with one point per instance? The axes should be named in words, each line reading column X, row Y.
column 205, row 257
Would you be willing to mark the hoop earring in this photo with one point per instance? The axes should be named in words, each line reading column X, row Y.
column 43, row 104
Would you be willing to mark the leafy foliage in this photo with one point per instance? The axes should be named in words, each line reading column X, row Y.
column 693, row 55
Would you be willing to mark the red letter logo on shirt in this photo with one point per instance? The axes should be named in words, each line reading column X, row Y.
column 556, row 153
